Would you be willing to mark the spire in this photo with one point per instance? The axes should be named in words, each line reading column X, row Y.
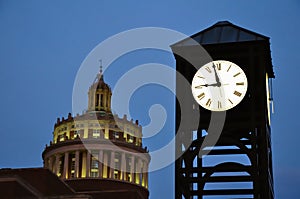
column 100, row 72
column 99, row 93
column 100, row 60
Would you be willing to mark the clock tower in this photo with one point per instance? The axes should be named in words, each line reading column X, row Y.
column 239, row 164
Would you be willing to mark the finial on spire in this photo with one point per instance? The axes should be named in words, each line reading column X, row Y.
column 100, row 60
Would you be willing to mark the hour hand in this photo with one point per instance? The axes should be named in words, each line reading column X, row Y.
column 206, row 85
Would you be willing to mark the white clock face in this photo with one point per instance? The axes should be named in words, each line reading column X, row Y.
column 219, row 85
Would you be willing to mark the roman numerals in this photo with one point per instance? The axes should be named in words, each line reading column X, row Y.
column 208, row 103
column 201, row 96
column 208, row 69
column 229, row 68
column 236, row 74
column 218, row 66
column 219, row 105
column 237, row 93
column 219, row 85
column 240, row 84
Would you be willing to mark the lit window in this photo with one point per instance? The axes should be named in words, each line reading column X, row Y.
column 72, row 165
column 94, row 164
column 130, row 139
column 60, row 166
column 96, row 133
column 76, row 133
column 128, row 168
column 117, row 171
column 60, row 138
column 116, row 135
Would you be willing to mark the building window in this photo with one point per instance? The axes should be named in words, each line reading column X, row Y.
column 80, row 133
column 96, row 133
column 72, row 168
column 101, row 100
column 117, row 172
column 60, row 138
column 116, row 135
column 94, row 164
column 130, row 139
column 128, row 168
column 60, row 166
column 97, row 100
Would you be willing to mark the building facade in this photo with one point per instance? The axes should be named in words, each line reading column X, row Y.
column 98, row 152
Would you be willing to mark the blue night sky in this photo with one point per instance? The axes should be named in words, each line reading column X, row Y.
column 43, row 44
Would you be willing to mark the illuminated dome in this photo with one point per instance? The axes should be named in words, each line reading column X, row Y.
column 99, row 152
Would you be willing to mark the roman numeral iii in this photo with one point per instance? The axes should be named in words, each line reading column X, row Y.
column 237, row 93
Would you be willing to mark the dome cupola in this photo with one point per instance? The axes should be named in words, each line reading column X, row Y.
column 99, row 94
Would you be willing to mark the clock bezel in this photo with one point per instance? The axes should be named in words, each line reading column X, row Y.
column 228, row 106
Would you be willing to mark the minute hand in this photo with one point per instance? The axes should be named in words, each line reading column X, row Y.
column 216, row 76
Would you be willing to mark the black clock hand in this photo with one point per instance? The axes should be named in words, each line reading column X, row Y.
column 206, row 85
column 216, row 76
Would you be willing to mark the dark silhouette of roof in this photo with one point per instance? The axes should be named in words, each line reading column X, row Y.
column 222, row 32
column 33, row 183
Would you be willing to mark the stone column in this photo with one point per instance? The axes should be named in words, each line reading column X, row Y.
column 77, row 164
column 57, row 164
column 132, row 169
column 46, row 163
column 50, row 165
column 138, row 172
column 83, row 171
column 112, row 164
column 123, row 166
column 88, row 164
column 66, row 166
column 146, row 174
column 100, row 165
column 105, row 165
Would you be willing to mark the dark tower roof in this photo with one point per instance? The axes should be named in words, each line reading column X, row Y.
column 99, row 82
column 223, row 32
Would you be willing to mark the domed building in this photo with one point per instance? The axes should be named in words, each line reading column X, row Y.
column 98, row 153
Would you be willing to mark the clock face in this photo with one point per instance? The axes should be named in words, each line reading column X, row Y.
column 219, row 85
